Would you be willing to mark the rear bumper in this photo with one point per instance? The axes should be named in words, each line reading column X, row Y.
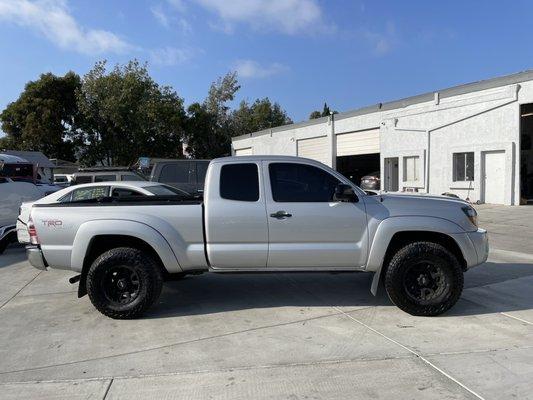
column 35, row 257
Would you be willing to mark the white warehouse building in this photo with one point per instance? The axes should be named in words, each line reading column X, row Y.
column 473, row 140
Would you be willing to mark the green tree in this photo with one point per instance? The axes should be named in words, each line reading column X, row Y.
column 209, row 125
column 43, row 117
column 125, row 114
column 262, row 114
column 326, row 111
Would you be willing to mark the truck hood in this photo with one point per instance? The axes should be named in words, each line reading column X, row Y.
column 400, row 205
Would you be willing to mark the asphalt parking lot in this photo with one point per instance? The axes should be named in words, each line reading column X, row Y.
column 287, row 336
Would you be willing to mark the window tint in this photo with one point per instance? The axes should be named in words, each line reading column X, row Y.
column 239, row 182
column 463, row 167
column 105, row 178
column 84, row 179
column 201, row 170
column 164, row 190
column 123, row 192
column 292, row 182
column 176, row 173
column 131, row 177
column 87, row 193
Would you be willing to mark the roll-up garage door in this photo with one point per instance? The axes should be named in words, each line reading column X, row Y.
column 247, row 151
column 314, row 148
column 354, row 143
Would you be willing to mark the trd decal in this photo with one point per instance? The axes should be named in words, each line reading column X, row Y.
column 52, row 223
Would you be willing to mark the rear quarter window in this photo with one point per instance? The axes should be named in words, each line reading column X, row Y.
column 239, row 182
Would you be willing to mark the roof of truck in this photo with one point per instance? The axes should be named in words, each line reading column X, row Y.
column 264, row 157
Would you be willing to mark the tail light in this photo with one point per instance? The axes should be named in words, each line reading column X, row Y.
column 34, row 239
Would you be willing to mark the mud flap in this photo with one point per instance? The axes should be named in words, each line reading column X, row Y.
column 375, row 282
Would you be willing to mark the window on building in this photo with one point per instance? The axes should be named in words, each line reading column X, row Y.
column 239, row 182
column 411, row 168
column 463, row 167
column 302, row 183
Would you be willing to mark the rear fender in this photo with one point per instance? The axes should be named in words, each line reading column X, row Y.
column 91, row 229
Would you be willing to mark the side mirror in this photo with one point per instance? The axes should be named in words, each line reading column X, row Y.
column 345, row 193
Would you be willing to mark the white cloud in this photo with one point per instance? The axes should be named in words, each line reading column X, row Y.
column 160, row 16
column 167, row 20
column 52, row 19
column 169, row 56
column 249, row 69
column 382, row 42
column 286, row 16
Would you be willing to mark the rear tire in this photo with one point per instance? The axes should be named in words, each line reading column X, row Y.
column 424, row 279
column 124, row 282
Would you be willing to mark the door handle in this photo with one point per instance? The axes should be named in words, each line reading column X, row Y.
column 281, row 215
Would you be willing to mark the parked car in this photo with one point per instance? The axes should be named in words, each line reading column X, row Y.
column 93, row 191
column 371, row 181
column 188, row 175
column 112, row 174
column 12, row 194
column 63, row 180
column 261, row 214
column 17, row 169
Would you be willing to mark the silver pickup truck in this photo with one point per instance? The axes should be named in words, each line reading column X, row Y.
column 261, row 214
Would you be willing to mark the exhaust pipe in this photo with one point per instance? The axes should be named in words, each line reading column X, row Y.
column 74, row 279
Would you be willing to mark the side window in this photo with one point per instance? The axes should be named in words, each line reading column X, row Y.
column 131, row 177
column 175, row 173
column 291, row 182
column 105, row 178
column 239, row 182
column 201, row 170
column 84, row 179
column 123, row 192
column 86, row 193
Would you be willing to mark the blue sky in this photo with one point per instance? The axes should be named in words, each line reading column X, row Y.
column 299, row 53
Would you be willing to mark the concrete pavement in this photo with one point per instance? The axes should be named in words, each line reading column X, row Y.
column 294, row 336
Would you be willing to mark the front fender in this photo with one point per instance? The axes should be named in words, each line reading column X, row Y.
column 390, row 226
column 91, row 229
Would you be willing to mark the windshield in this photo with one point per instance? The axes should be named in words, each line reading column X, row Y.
column 164, row 190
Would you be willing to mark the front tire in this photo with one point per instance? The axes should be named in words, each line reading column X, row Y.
column 124, row 282
column 424, row 279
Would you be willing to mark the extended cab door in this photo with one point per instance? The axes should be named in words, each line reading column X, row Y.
column 235, row 216
column 306, row 227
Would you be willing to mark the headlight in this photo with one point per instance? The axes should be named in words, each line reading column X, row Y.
column 471, row 214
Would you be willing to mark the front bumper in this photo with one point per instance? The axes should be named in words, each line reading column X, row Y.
column 474, row 246
column 480, row 241
column 35, row 257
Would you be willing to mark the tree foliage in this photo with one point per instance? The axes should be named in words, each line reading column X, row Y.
column 326, row 111
column 112, row 117
column 209, row 125
column 261, row 114
column 43, row 117
column 125, row 114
